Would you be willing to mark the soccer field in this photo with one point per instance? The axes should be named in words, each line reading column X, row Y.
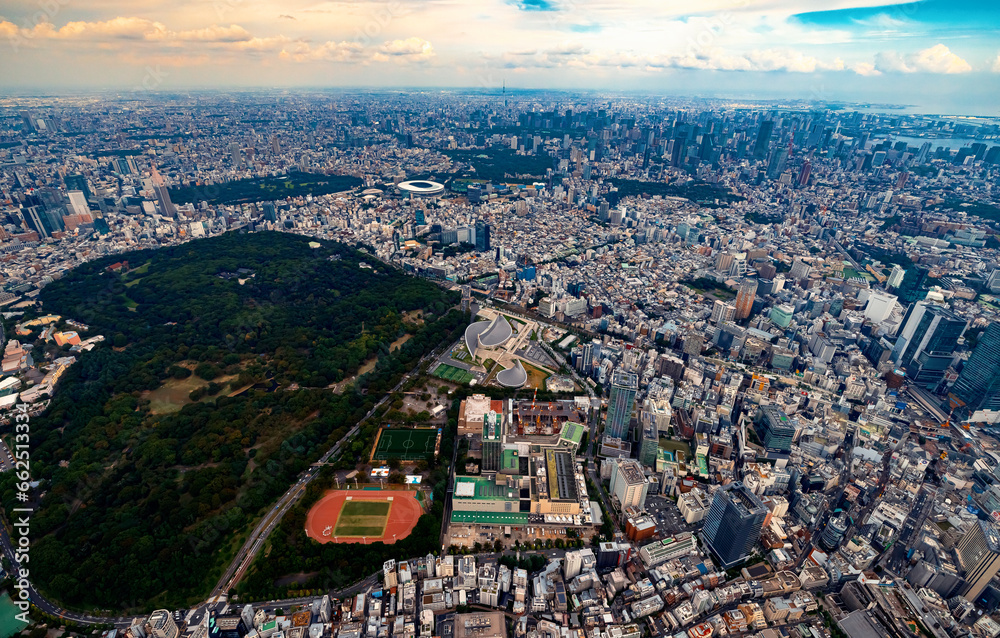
column 451, row 373
column 362, row 518
column 404, row 444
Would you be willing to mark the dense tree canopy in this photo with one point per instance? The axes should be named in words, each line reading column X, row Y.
column 142, row 509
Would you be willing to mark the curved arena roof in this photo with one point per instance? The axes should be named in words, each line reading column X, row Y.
column 513, row 377
column 499, row 331
column 488, row 334
column 421, row 187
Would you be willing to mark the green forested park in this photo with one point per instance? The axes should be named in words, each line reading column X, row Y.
column 502, row 165
column 294, row 184
column 142, row 510
column 697, row 191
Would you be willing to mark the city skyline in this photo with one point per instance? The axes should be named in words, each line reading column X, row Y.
column 853, row 50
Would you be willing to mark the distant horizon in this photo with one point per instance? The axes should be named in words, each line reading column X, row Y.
column 940, row 55
column 847, row 105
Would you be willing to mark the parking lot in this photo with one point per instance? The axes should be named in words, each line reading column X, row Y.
column 668, row 518
column 6, row 458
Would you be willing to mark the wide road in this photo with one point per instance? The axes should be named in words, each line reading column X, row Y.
column 244, row 557
column 45, row 605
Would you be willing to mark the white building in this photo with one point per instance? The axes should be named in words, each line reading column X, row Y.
column 628, row 483
column 880, row 306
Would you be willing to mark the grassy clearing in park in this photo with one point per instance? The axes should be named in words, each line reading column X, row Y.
column 405, row 444
column 362, row 518
column 173, row 394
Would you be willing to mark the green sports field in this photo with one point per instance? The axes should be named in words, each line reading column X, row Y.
column 405, row 444
column 451, row 373
column 362, row 518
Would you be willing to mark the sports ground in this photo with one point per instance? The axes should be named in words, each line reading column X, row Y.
column 405, row 444
column 451, row 373
column 363, row 516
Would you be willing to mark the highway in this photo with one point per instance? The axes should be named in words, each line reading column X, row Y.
column 45, row 605
column 244, row 558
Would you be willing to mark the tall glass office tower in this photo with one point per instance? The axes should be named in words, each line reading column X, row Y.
column 733, row 524
column 978, row 385
column 624, row 386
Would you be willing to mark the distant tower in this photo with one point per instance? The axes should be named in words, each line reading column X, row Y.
column 624, row 386
column 466, row 298
column 979, row 553
column 505, row 94
column 978, row 386
column 745, row 297
column 162, row 195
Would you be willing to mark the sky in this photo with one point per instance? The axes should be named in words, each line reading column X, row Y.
column 942, row 56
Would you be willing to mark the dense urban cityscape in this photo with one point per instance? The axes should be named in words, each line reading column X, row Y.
column 701, row 367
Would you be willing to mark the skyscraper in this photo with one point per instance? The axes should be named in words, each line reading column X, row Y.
column 624, row 386
column 590, row 357
column 979, row 552
column 733, row 524
column 78, row 202
column 482, row 236
column 163, row 195
column 650, row 444
column 929, row 339
column 777, row 161
column 33, row 217
column 804, row 173
column 745, row 296
column 77, row 183
column 270, row 212
column 978, row 386
column 763, row 139
column 53, row 220
column 896, row 276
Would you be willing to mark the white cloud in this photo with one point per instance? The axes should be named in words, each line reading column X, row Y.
column 413, row 49
column 125, row 29
column 866, row 69
column 326, row 52
column 940, row 59
column 996, row 64
column 706, row 59
column 936, row 59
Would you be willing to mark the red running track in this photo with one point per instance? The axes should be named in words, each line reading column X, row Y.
column 404, row 512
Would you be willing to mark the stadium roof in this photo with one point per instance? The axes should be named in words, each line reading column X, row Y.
column 499, row 331
column 488, row 334
column 421, row 187
column 513, row 377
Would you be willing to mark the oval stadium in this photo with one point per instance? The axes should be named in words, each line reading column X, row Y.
column 420, row 188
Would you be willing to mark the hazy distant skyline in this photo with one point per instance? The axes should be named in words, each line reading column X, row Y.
column 942, row 56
